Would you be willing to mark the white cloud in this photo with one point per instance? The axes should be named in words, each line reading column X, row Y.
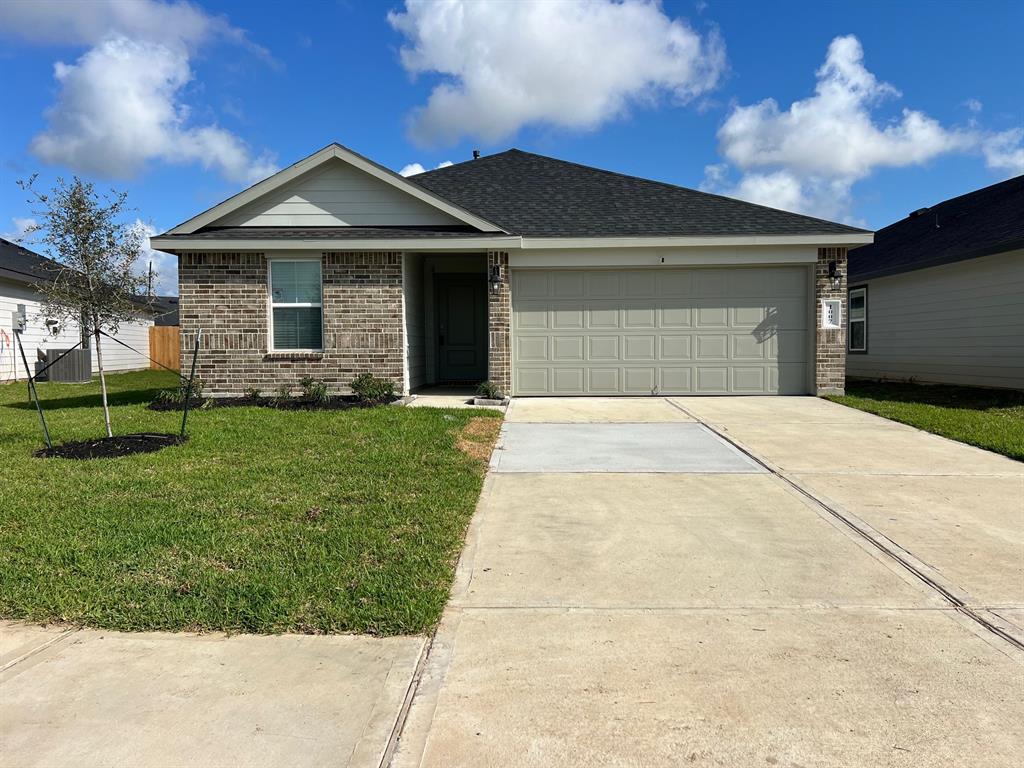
column 574, row 64
column 121, row 104
column 974, row 105
column 413, row 168
column 86, row 23
column 1005, row 151
column 808, row 157
column 165, row 265
column 22, row 227
column 119, row 107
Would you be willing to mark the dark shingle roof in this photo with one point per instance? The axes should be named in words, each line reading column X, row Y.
column 165, row 310
column 25, row 266
column 980, row 223
column 538, row 196
column 324, row 233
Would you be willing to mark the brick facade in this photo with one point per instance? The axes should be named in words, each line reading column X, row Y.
column 499, row 324
column 226, row 295
column 830, row 345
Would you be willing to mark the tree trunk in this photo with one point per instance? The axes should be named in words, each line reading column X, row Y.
column 103, row 379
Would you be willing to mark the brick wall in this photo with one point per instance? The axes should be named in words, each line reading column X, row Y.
column 830, row 346
column 499, row 324
column 226, row 295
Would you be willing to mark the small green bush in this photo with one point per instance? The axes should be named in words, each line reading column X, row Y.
column 251, row 393
column 177, row 396
column 490, row 390
column 283, row 393
column 314, row 390
column 370, row 389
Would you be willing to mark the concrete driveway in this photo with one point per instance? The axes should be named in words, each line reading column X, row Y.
column 752, row 581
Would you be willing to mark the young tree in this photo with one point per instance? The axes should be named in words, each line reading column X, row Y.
column 94, row 280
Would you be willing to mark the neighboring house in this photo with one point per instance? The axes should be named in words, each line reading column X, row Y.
column 939, row 296
column 547, row 277
column 21, row 270
column 166, row 310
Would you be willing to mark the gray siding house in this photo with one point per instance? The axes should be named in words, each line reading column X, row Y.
column 544, row 276
column 939, row 296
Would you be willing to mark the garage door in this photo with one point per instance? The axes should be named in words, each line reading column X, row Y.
column 720, row 331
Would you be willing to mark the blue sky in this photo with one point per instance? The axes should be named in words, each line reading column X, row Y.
column 878, row 108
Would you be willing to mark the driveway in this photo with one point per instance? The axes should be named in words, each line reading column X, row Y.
column 730, row 581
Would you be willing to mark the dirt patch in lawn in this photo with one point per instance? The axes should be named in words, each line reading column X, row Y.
column 477, row 438
column 112, row 447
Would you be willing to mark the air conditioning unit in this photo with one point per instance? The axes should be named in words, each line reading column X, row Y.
column 75, row 366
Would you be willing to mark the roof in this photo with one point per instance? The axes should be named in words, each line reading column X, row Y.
column 20, row 264
column 165, row 309
column 329, row 153
column 323, row 233
column 537, row 196
column 980, row 223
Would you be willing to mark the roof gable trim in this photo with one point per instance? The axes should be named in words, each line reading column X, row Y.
column 328, row 153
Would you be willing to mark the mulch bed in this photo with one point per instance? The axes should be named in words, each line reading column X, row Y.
column 337, row 403
column 112, row 447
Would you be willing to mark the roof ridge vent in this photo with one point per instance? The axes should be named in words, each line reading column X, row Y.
column 918, row 212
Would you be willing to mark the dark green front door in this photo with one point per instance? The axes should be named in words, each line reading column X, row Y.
column 462, row 327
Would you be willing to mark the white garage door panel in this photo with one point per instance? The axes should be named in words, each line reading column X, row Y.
column 670, row 331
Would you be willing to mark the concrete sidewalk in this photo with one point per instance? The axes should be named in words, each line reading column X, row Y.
column 657, row 619
column 92, row 698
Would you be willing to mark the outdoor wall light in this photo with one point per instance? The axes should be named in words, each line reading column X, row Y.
column 833, row 274
column 495, row 278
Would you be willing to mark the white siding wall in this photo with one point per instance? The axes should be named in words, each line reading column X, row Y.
column 958, row 324
column 115, row 357
column 334, row 196
column 415, row 321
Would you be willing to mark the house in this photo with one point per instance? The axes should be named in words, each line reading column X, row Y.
column 165, row 310
column 939, row 296
column 21, row 271
column 544, row 276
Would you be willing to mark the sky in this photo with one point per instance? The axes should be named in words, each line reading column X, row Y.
column 853, row 111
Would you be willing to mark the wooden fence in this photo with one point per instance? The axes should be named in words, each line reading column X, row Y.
column 165, row 346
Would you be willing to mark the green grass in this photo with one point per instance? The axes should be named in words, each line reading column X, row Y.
column 992, row 419
column 264, row 521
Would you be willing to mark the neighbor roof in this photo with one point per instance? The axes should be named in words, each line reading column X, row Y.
column 980, row 223
column 22, row 265
column 537, row 196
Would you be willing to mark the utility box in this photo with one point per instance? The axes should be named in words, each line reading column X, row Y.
column 19, row 318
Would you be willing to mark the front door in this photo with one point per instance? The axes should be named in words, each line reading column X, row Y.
column 462, row 327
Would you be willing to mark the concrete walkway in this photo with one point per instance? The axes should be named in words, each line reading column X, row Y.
column 91, row 698
column 858, row 600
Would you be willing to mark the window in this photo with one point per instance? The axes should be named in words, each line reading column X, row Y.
column 296, row 319
column 858, row 340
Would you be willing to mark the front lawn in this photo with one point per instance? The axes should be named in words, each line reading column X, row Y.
column 264, row 521
column 988, row 418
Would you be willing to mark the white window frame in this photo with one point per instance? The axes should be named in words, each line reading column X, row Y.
column 271, row 304
column 861, row 289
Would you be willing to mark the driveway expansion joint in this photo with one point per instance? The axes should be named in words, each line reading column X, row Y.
column 866, row 533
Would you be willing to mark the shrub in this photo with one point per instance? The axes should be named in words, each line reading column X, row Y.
column 370, row 389
column 251, row 393
column 490, row 390
column 314, row 390
column 283, row 393
column 176, row 396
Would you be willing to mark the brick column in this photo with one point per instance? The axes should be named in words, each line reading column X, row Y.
column 830, row 346
column 499, row 324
